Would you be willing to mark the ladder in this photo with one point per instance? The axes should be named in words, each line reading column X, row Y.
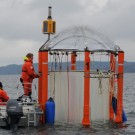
column 33, row 116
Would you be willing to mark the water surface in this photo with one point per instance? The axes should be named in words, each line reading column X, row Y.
column 11, row 84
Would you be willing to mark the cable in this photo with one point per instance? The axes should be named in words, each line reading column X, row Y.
column 68, row 84
column 61, row 60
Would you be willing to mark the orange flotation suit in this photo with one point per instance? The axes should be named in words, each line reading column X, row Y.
column 28, row 74
column 3, row 96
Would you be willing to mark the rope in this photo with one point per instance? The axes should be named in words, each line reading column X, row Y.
column 50, row 59
column 56, row 58
column 60, row 90
column 100, row 81
column 68, row 83
column 109, row 75
column 111, row 82
column 112, row 89
column 53, row 93
column 61, row 60
column 103, row 109
column 52, row 63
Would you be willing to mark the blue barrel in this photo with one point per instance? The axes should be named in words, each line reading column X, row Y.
column 50, row 111
column 114, row 105
column 124, row 118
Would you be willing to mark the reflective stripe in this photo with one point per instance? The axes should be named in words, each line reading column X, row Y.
column 45, row 63
column 120, row 64
column 27, row 83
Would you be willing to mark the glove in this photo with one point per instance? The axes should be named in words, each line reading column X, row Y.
column 39, row 74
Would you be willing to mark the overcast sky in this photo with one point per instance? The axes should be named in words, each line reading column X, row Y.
column 21, row 24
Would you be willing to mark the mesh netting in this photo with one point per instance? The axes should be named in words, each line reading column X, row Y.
column 79, row 38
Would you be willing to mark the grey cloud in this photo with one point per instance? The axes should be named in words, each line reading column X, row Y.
column 22, row 20
column 117, row 19
column 25, row 21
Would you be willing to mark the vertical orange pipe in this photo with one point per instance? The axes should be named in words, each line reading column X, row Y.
column 44, row 81
column 112, row 68
column 120, row 87
column 73, row 61
column 86, row 109
column 40, row 78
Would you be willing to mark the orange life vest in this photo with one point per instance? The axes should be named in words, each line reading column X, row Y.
column 3, row 96
column 28, row 72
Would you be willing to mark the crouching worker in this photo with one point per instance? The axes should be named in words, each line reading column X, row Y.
column 3, row 95
column 28, row 74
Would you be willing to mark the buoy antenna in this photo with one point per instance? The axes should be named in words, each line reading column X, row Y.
column 49, row 13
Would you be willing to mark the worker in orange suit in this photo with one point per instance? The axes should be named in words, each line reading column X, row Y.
column 28, row 74
column 3, row 95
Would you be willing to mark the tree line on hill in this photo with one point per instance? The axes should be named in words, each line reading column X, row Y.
column 14, row 69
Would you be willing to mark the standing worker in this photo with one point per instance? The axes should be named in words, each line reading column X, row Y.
column 3, row 95
column 28, row 74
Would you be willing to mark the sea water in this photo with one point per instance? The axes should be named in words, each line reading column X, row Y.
column 13, row 87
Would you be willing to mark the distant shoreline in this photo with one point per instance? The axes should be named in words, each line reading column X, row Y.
column 14, row 69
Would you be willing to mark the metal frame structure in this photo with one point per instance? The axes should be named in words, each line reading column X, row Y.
column 43, row 82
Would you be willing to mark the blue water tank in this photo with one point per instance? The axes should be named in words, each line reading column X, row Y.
column 124, row 118
column 50, row 111
column 114, row 105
